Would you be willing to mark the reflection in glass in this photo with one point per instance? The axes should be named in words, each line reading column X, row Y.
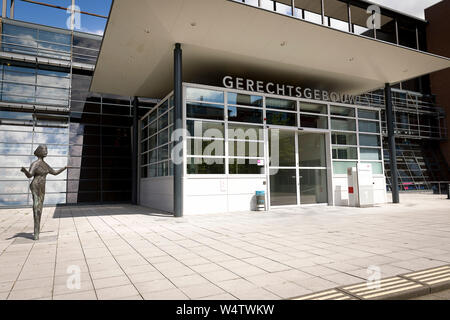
column 312, row 150
column 281, row 118
column 245, row 166
column 282, row 155
column 206, row 166
column 204, row 95
column 273, row 103
column 205, row 111
column 245, row 100
column 245, row 115
column 345, row 153
column 343, row 138
column 313, row 186
column 340, row 167
column 369, row 140
column 309, row 121
column 283, row 187
column 343, row 124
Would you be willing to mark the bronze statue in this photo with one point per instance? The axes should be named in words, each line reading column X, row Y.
column 39, row 170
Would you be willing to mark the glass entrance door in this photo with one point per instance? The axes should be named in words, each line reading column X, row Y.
column 298, row 168
column 312, row 153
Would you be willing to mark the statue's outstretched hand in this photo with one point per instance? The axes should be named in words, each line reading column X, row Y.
column 23, row 170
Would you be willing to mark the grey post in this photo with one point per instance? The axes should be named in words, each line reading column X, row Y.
column 135, row 153
column 178, row 119
column 391, row 139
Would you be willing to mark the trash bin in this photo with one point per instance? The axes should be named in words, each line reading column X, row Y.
column 260, row 200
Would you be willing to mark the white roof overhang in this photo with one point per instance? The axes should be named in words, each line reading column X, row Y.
column 222, row 37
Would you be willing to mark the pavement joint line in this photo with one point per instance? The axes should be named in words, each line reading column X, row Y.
column 400, row 287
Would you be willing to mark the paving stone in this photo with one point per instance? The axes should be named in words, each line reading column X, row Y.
column 116, row 292
column 172, row 294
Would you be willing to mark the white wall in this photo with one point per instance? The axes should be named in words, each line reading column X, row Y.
column 215, row 195
column 340, row 190
column 157, row 193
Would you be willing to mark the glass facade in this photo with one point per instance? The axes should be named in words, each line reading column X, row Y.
column 156, row 129
column 47, row 104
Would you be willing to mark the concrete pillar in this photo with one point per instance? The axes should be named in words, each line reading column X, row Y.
column 178, row 124
column 390, row 119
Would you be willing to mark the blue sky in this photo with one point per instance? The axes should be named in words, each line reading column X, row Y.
column 58, row 18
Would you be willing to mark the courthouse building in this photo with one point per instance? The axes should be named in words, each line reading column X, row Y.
column 192, row 106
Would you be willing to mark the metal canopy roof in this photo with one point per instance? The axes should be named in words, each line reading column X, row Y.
column 221, row 37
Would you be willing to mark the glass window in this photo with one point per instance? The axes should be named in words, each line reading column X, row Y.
column 369, row 126
column 243, row 132
column 163, row 121
column 313, row 108
column 153, row 128
column 312, row 150
column 205, row 111
column 15, row 149
column 163, row 169
column 370, row 154
column 205, row 129
column 206, row 166
column 152, row 142
column 163, row 153
column 281, row 104
column 245, row 115
column 282, row 148
column 313, row 186
column 163, row 108
column 204, row 95
column 344, row 138
column 345, row 153
column 368, row 114
column 309, row 121
column 342, row 111
column 245, row 149
column 163, row 137
column 245, row 166
column 377, row 167
column 283, row 187
column 245, row 100
column 281, row 118
column 340, row 167
column 369, row 140
column 343, row 124
column 200, row 147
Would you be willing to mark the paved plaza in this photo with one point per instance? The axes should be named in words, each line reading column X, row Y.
column 129, row 252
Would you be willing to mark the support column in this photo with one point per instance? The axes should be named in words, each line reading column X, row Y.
column 178, row 125
column 4, row 4
column 135, row 153
column 391, row 139
column 11, row 10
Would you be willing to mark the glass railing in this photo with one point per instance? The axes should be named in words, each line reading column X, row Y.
column 27, row 39
column 356, row 17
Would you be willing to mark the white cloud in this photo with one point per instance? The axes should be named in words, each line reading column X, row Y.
column 412, row 7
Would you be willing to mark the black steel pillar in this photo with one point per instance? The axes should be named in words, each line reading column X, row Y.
column 391, row 139
column 135, row 153
column 178, row 119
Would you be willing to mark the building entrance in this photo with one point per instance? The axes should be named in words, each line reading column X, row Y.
column 298, row 168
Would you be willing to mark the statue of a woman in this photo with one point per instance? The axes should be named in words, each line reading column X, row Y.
column 39, row 170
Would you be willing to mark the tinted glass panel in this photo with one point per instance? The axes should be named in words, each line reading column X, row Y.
column 245, row 115
column 204, row 95
column 281, row 118
column 205, row 111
